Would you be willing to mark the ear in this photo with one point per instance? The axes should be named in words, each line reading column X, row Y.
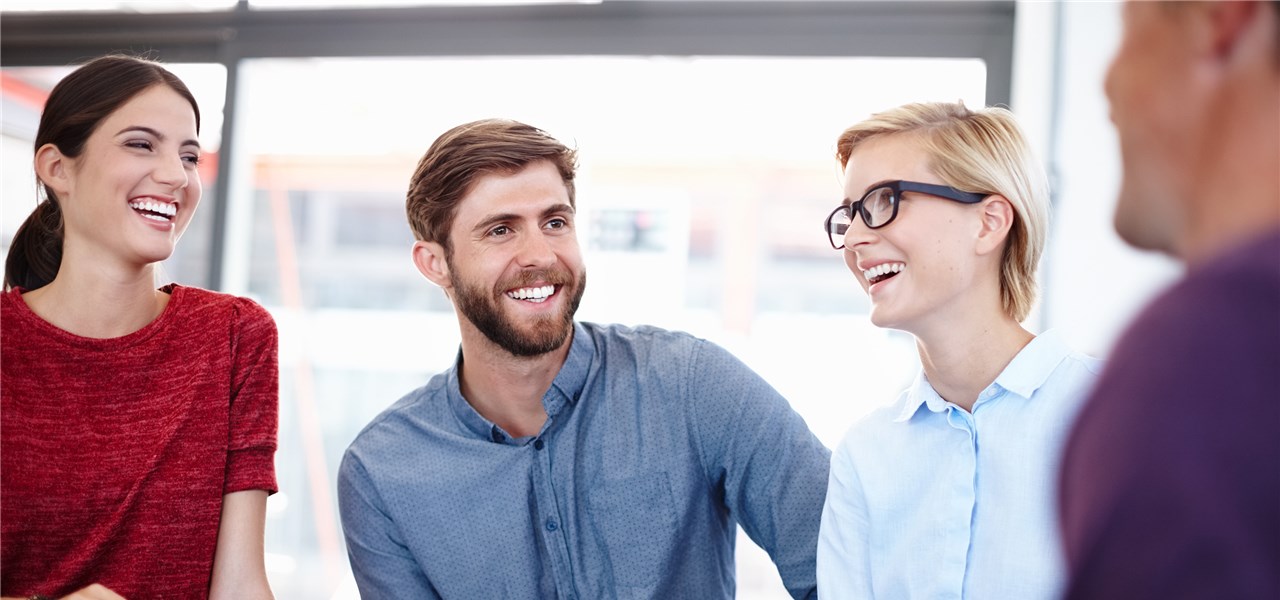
column 1229, row 22
column 53, row 168
column 429, row 258
column 995, row 220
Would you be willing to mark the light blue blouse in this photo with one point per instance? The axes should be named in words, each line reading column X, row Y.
column 926, row 500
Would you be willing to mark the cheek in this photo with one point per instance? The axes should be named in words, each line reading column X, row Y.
column 195, row 190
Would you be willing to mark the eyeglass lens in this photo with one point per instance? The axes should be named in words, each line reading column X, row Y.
column 877, row 207
column 876, row 210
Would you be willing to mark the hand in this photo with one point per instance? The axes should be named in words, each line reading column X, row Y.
column 96, row 591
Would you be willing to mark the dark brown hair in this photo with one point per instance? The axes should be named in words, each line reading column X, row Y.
column 75, row 108
column 467, row 152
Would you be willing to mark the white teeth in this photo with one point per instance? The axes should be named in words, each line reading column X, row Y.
column 163, row 208
column 882, row 270
column 538, row 294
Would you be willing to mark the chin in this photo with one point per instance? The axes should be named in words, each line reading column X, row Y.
column 881, row 319
column 154, row 256
column 1135, row 231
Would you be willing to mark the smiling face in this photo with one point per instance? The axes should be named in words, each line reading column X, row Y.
column 515, row 270
column 916, row 268
column 132, row 191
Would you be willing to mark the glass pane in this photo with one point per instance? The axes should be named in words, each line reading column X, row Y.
column 23, row 91
column 702, row 188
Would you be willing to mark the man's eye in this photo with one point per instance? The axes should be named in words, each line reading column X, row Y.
column 499, row 231
column 557, row 224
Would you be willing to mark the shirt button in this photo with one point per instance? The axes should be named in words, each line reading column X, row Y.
column 537, row 444
column 551, row 525
column 497, row 436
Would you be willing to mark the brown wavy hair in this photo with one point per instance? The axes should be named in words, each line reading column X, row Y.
column 467, row 152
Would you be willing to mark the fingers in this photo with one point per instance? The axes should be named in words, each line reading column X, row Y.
column 96, row 591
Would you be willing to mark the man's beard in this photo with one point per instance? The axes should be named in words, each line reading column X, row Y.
column 482, row 307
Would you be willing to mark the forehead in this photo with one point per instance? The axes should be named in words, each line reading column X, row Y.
column 158, row 107
column 886, row 158
column 525, row 192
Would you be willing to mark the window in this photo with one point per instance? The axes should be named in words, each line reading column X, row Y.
column 701, row 194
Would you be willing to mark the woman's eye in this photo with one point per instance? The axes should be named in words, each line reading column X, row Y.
column 141, row 145
column 191, row 159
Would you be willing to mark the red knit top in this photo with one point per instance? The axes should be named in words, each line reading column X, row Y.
column 116, row 453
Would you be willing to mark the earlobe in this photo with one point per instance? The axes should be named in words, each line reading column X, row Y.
column 429, row 258
column 996, row 220
column 52, row 169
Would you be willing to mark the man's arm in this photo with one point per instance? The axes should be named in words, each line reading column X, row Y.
column 772, row 468
column 383, row 566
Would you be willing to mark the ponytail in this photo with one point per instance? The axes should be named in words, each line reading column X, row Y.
column 36, row 250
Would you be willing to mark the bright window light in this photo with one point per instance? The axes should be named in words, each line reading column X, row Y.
column 311, row 4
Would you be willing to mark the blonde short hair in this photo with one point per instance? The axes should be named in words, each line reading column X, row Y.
column 982, row 151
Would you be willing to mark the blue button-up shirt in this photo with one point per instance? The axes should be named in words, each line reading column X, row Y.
column 927, row 500
column 655, row 444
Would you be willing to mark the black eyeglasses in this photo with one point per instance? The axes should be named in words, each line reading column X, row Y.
column 879, row 206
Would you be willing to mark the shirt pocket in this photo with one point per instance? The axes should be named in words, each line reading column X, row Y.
column 634, row 520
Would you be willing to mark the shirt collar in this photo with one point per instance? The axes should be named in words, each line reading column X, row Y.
column 564, row 391
column 1028, row 370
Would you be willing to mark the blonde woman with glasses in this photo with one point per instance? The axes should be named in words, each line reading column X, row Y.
column 948, row 492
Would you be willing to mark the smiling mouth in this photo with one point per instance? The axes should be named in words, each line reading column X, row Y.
column 532, row 294
column 883, row 272
column 156, row 211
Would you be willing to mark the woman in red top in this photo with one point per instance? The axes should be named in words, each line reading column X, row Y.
column 139, row 423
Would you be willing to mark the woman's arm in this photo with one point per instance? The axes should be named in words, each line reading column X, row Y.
column 238, row 568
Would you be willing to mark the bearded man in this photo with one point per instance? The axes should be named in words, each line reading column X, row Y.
column 562, row 459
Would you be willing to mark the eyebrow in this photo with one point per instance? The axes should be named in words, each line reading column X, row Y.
column 554, row 209
column 881, row 183
column 156, row 134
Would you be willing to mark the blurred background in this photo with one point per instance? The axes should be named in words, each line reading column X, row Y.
column 706, row 133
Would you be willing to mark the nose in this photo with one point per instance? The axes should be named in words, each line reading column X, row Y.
column 171, row 172
column 857, row 234
column 536, row 250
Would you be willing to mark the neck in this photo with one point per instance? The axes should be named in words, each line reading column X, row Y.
column 504, row 388
column 966, row 355
column 97, row 302
column 1240, row 196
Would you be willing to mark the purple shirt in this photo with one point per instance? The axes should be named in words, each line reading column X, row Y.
column 1171, row 479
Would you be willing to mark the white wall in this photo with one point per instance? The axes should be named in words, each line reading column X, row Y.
column 1093, row 283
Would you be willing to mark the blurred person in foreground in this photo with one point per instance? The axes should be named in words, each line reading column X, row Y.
column 948, row 491
column 1170, row 487
column 561, row 459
